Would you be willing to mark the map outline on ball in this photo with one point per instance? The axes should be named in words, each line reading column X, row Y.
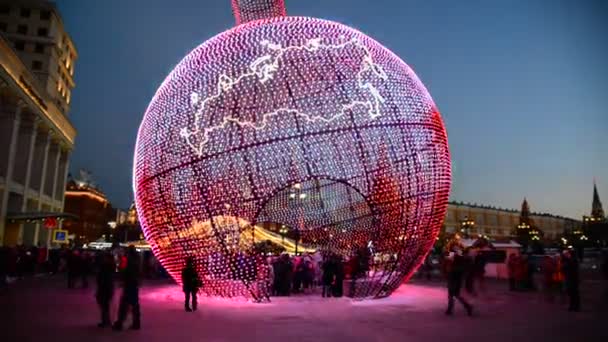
column 263, row 69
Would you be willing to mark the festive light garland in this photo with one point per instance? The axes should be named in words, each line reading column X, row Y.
column 263, row 70
column 299, row 122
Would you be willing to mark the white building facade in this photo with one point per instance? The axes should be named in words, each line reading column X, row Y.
column 36, row 136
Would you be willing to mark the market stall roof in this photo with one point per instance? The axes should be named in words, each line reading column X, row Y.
column 495, row 244
column 38, row 215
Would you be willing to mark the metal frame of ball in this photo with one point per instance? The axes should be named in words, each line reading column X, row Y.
column 378, row 290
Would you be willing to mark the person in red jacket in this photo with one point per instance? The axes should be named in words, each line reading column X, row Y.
column 521, row 272
column 548, row 268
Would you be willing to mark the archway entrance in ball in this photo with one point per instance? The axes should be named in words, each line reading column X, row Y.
column 330, row 218
column 319, row 214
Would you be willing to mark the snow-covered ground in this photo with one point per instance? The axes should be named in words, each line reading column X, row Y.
column 43, row 310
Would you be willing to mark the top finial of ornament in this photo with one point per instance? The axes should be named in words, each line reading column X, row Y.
column 250, row 10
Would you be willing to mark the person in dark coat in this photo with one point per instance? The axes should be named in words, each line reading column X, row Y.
column 105, row 287
column 299, row 273
column 74, row 265
column 456, row 272
column 190, row 284
column 3, row 266
column 512, row 266
column 338, row 286
column 358, row 264
column 130, row 291
column 571, row 275
column 276, row 283
column 85, row 268
column 329, row 271
column 605, row 264
column 479, row 270
column 283, row 274
column 469, row 271
column 21, row 261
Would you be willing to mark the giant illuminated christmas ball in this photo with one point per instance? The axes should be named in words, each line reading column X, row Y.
column 297, row 133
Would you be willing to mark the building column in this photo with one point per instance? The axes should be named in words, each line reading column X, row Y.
column 30, row 157
column 55, row 189
column 49, row 138
column 56, row 172
column 28, row 169
column 9, row 172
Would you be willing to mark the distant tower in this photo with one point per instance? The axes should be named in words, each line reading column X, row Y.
column 595, row 226
column 526, row 231
column 524, row 217
column 597, row 211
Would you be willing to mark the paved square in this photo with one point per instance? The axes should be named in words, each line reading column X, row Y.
column 42, row 309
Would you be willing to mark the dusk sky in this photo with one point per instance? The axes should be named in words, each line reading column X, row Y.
column 522, row 85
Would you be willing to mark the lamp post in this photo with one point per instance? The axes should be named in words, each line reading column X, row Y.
column 296, row 196
column 523, row 233
column 466, row 225
column 283, row 231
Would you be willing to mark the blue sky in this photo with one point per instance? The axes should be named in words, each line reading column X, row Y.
column 522, row 85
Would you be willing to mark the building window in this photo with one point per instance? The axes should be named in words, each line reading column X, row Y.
column 37, row 65
column 19, row 45
column 3, row 27
column 22, row 29
column 45, row 15
column 25, row 12
column 5, row 9
column 43, row 32
column 39, row 48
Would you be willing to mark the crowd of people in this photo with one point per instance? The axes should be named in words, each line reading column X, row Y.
column 79, row 264
column 326, row 271
column 323, row 272
column 521, row 273
column 560, row 275
column 17, row 262
column 129, row 269
column 466, row 266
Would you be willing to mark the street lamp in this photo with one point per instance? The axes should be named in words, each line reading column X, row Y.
column 283, row 231
column 297, row 194
column 466, row 225
column 522, row 228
